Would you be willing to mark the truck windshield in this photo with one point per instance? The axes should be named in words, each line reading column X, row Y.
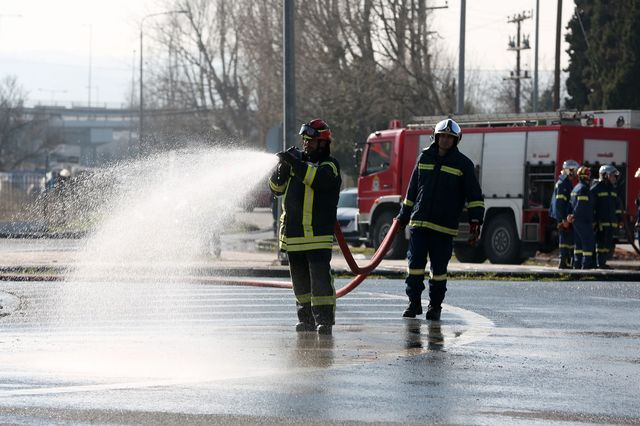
column 378, row 157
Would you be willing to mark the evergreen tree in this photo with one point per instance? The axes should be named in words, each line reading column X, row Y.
column 604, row 45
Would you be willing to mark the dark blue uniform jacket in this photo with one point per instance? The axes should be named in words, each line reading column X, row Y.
column 560, row 207
column 582, row 204
column 438, row 190
column 605, row 203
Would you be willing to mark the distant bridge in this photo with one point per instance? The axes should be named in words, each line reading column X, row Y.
column 87, row 132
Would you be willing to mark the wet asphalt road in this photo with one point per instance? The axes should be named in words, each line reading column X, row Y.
column 504, row 353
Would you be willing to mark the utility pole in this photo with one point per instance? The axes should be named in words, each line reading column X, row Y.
column 289, row 79
column 518, row 45
column 556, row 71
column 460, row 98
column 535, row 60
column 90, row 63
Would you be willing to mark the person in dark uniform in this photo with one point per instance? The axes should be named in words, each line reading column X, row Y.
column 309, row 183
column 560, row 209
column 442, row 181
column 581, row 218
column 605, row 200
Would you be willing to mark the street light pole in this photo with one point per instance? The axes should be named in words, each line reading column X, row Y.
column 141, row 118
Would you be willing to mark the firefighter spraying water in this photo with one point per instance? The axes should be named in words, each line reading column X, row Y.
column 309, row 183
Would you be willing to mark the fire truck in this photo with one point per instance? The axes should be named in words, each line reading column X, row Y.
column 518, row 159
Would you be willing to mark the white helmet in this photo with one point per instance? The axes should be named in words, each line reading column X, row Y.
column 607, row 170
column 447, row 127
column 569, row 167
column 570, row 164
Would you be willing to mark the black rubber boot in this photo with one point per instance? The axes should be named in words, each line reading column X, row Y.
column 325, row 329
column 414, row 308
column 305, row 326
column 305, row 318
column 565, row 263
column 433, row 312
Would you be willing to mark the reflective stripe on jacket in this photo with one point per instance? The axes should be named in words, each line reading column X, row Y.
column 310, row 201
column 438, row 190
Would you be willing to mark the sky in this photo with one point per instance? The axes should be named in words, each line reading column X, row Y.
column 56, row 47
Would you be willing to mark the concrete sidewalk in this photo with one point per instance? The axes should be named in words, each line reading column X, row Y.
column 43, row 259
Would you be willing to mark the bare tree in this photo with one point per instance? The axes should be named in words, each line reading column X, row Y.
column 358, row 65
column 261, row 39
column 205, row 73
column 24, row 138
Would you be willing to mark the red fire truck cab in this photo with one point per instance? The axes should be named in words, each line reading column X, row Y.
column 518, row 158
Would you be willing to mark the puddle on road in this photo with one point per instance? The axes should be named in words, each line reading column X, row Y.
column 217, row 333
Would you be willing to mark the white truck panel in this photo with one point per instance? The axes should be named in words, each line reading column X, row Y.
column 605, row 151
column 423, row 143
column 542, row 147
column 515, row 205
column 630, row 118
column 471, row 146
column 502, row 173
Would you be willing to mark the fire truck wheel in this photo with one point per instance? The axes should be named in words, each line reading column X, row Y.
column 398, row 249
column 467, row 254
column 501, row 242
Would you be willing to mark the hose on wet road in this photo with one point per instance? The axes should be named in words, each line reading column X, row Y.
column 361, row 272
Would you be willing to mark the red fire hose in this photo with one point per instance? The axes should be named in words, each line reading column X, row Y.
column 361, row 272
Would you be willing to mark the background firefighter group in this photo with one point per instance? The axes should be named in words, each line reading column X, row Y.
column 587, row 215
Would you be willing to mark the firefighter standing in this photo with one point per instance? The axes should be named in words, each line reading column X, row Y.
column 309, row 182
column 605, row 200
column 581, row 218
column 560, row 209
column 442, row 180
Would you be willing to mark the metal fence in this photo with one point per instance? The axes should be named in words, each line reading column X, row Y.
column 19, row 195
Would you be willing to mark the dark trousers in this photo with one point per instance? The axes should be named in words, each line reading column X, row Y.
column 437, row 247
column 604, row 244
column 585, row 245
column 313, row 286
column 565, row 243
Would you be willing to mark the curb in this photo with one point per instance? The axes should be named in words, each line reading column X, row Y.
column 53, row 273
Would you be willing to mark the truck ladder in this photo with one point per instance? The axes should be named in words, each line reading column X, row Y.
column 506, row 119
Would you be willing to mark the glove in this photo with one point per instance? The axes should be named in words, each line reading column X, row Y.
column 564, row 224
column 474, row 232
column 291, row 156
column 283, row 170
column 571, row 218
column 402, row 220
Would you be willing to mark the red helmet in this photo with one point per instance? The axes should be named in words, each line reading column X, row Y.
column 316, row 129
column 584, row 173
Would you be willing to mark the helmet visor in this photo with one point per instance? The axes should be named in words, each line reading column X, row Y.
column 448, row 126
column 308, row 132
